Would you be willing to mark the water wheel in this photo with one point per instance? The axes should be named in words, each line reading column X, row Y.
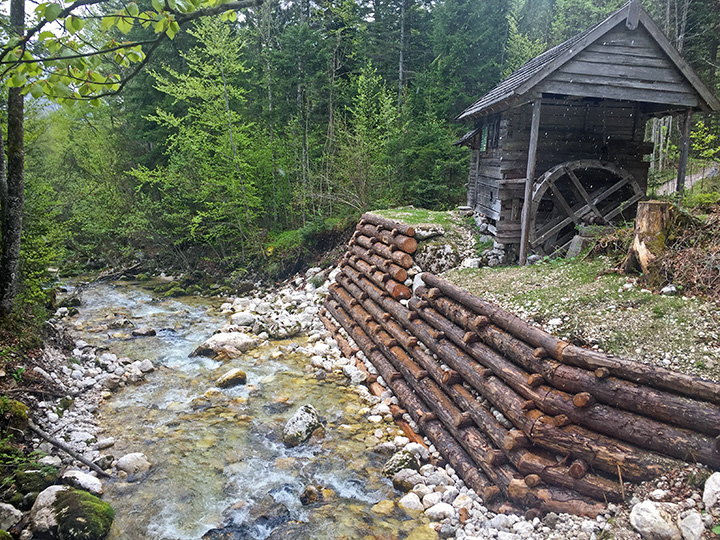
column 577, row 193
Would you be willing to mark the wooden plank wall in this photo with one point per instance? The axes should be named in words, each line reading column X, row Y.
column 486, row 173
column 570, row 129
column 624, row 64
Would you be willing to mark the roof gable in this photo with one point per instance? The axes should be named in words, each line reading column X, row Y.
column 535, row 71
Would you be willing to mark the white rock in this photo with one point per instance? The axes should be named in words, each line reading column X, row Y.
column 263, row 308
column 692, row 526
column 500, row 521
column 431, row 499
column 555, row 322
column 463, row 501
column 81, row 480
column 243, row 318
column 237, row 340
column 653, row 522
column 9, row 516
column 52, row 461
column 711, row 495
column 440, row 511
column 146, row 366
column 523, row 527
column 411, row 502
column 421, row 490
column 669, row 290
column 107, row 442
column 658, row 494
column 503, row 535
column 133, row 463
column 42, row 514
column 418, row 449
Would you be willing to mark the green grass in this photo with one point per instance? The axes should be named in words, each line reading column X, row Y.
column 597, row 308
column 420, row 216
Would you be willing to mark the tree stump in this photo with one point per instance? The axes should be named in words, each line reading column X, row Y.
column 651, row 225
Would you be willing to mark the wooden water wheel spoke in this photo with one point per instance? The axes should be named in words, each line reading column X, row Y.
column 564, row 204
column 577, row 193
column 576, row 182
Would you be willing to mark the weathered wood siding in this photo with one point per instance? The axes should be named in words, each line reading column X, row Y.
column 486, row 173
column 624, row 64
column 570, row 129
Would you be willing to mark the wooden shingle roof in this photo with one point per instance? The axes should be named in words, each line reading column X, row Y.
column 521, row 83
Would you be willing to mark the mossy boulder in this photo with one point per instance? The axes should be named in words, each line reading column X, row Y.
column 175, row 292
column 301, row 426
column 399, row 461
column 13, row 414
column 35, row 480
column 143, row 276
column 82, row 516
column 4, row 535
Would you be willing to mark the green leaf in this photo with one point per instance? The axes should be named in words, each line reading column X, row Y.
column 157, row 5
column 160, row 26
column 16, row 81
column 108, row 22
column 36, row 90
column 716, row 529
column 230, row 16
column 43, row 36
column 173, row 29
column 52, row 12
column 95, row 102
column 77, row 23
column 133, row 9
column 124, row 24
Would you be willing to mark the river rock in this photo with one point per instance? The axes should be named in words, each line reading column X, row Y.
column 243, row 318
column 440, row 511
column 234, row 377
column 215, row 343
column 411, row 502
column 692, row 526
column 42, row 514
column 292, row 530
column 356, row 375
column 284, row 329
column 384, row 507
column 133, row 463
column 407, row 479
column 711, row 493
column 653, row 522
column 399, row 461
column 144, row 331
column 311, row 495
column 81, row 480
column 301, row 426
column 9, row 516
column 82, row 516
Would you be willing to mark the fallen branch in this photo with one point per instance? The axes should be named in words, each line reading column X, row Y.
column 65, row 448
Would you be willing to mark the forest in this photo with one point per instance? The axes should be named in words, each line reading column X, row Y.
column 255, row 137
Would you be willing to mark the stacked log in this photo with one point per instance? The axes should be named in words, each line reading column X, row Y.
column 521, row 415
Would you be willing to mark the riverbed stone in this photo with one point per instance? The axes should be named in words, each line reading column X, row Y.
column 133, row 463
column 144, row 331
column 440, row 511
column 384, row 507
column 411, row 502
column 42, row 514
column 301, row 426
column 711, row 492
column 653, row 522
column 234, row 377
column 215, row 343
column 9, row 516
column 82, row 516
column 82, row 480
column 407, row 479
column 692, row 526
column 399, row 461
column 243, row 318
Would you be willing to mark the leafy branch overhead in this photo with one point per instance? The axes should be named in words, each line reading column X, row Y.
column 82, row 51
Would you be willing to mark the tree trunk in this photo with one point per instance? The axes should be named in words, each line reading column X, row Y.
column 12, row 188
column 651, row 223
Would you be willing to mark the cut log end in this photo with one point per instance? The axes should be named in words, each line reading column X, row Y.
column 532, row 480
column 578, row 468
column 583, row 399
column 602, row 373
column 535, row 380
column 540, row 352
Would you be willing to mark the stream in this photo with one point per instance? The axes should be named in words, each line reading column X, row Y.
column 218, row 454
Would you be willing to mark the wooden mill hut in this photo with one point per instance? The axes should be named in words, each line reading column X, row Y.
column 560, row 143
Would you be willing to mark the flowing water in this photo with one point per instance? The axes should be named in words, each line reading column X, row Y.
column 213, row 449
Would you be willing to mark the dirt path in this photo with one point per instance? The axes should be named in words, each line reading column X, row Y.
column 709, row 171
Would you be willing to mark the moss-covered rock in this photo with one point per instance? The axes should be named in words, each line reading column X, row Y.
column 4, row 535
column 35, row 480
column 301, row 425
column 174, row 292
column 399, row 461
column 13, row 414
column 143, row 276
column 81, row 516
